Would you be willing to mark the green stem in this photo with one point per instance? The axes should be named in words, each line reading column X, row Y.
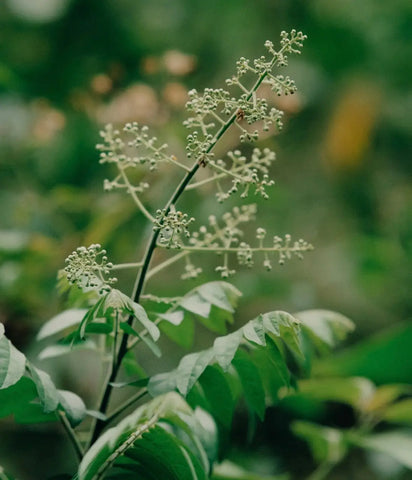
column 170, row 261
column 136, row 199
column 141, row 278
column 71, row 434
column 122, row 266
column 130, row 401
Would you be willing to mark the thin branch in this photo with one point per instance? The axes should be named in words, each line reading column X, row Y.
column 174, row 160
column 153, row 271
column 136, row 199
column 188, row 249
column 123, row 266
column 130, row 401
column 71, row 434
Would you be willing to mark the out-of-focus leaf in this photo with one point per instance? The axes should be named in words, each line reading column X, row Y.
column 61, row 322
column 326, row 444
column 230, row 471
column 355, row 391
column 387, row 394
column 12, row 363
column 386, row 358
column 62, row 349
column 399, row 412
column 4, row 475
column 396, row 443
column 325, row 328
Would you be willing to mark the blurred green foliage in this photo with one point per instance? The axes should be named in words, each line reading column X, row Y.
column 69, row 66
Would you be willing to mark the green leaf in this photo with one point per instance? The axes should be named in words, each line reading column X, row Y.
column 17, row 396
column 286, row 326
column 396, row 443
column 221, row 294
column 272, row 368
column 217, row 320
column 1, row 330
column 195, row 303
column 90, row 315
column 62, row 322
column 162, row 383
column 225, row 348
column 12, row 363
column 326, row 444
column 399, row 412
column 131, row 331
column 46, row 390
column 131, row 366
column 251, row 383
column 73, row 406
column 182, row 333
column 218, row 394
column 100, row 328
column 190, row 368
column 255, row 332
column 173, row 317
column 325, row 328
column 140, row 313
column 143, row 442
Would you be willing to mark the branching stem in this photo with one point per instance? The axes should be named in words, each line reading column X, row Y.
column 151, row 246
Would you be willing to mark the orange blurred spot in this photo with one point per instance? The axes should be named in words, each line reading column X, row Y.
column 351, row 127
column 101, row 84
column 175, row 94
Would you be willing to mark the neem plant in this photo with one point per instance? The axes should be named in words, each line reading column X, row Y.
column 183, row 421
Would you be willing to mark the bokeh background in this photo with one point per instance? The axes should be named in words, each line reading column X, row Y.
column 67, row 67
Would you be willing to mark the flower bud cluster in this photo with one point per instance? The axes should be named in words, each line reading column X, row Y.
column 286, row 248
column 173, row 225
column 245, row 172
column 225, row 237
column 244, row 109
column 88, row 268
column 115, row 148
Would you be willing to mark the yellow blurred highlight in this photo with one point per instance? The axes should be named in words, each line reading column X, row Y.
column 351, row 127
